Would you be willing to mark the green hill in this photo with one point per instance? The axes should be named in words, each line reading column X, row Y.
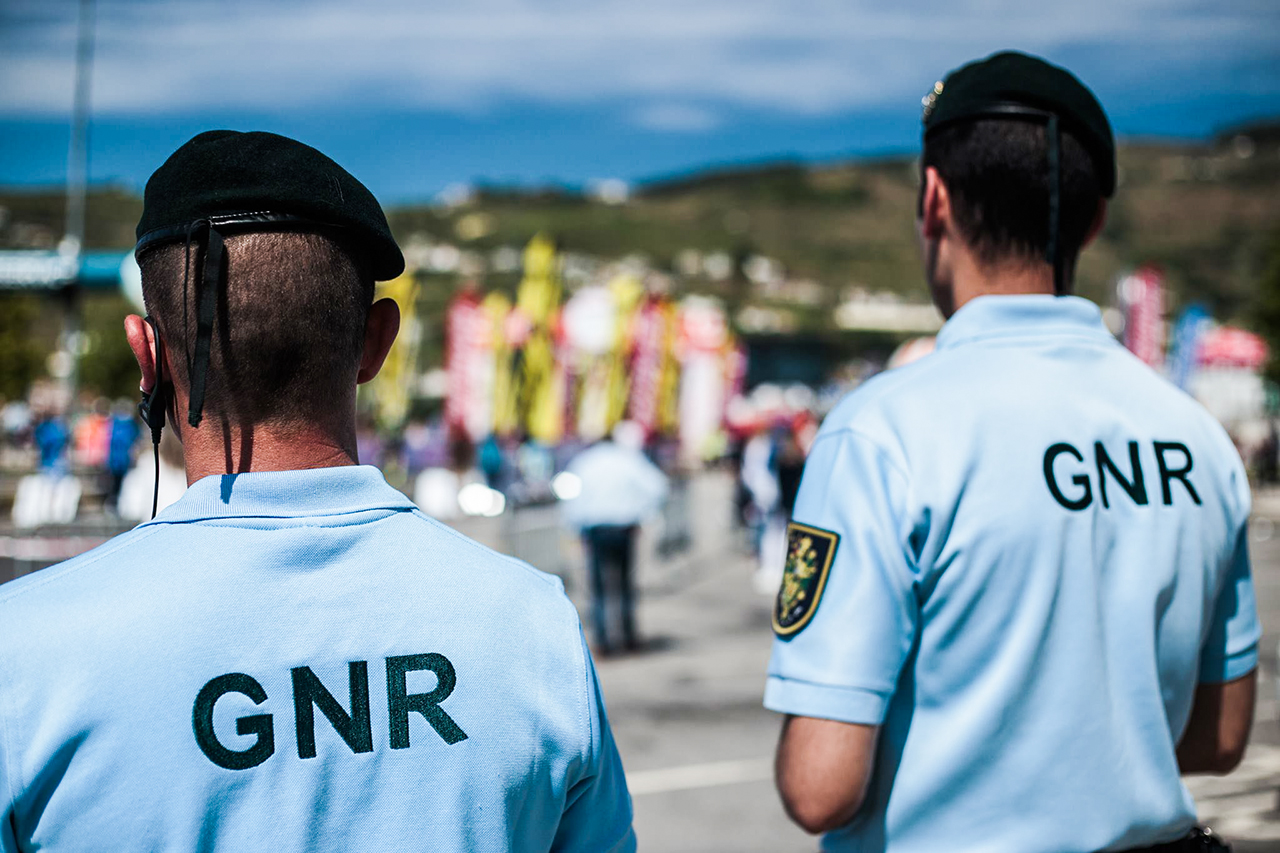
column 1202, row 211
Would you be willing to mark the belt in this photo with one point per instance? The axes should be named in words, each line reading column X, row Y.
column 1199, row 840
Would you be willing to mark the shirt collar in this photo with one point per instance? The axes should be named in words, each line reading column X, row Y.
column 1023, row 315
column 285, row 494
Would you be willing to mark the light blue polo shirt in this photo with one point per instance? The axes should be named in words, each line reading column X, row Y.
column 1041, row 550
column 300, row 661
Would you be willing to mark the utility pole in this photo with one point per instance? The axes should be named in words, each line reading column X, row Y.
column 72, row 243
column 78, row 153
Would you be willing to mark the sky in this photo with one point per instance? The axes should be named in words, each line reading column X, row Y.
column 413, row 96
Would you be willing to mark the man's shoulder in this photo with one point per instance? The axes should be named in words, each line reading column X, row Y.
column 72, row 578
column 62, row 605
column 871, row 408
column 439, row 566
column 505, row 589
column 444, row 542
column 1174, row 408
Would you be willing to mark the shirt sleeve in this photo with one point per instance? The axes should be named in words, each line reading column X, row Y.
column 8, row 785
column 1230, row 648
column 843, row 664
column 597, row 814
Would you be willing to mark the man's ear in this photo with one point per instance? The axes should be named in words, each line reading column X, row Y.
column 1095, row 227
column 379, row 334
column 141, row 339
column 935, row 207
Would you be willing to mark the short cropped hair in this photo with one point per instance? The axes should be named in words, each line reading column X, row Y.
column 997, row 175
column 289, row 327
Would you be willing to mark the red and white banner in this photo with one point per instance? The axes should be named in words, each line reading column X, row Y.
column 1227, row 346
column 1142, row 294
column 703, row 324
column 650, row 348
column 469, row 365
column 704, row 383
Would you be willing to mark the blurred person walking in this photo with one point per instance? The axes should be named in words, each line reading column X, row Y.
column 161, row 691
column 52, row 437
column 51, row 495
column 123, row 433
column 91, row 435
column 1017, row 598
column 776, row 462
column 619, row 488
column 15, row 421
column 760, row 478
column 789, row 462
column 491, row 461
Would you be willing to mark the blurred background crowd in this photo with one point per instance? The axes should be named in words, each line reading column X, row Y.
column 512, row 360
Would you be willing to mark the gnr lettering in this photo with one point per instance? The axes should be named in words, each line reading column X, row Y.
column 1071, row 477
column 354, row 726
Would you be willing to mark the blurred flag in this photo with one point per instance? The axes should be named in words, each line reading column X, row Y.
column 469, row 365
column 589, row 324
column 391, row 386
column 669, row 377
column 497, row 311
column 540, row 390
column 704, row 335
column 627, row 291
column 1227, row 346
column 1184, row 349
column 654, row 372
column 1142, row 294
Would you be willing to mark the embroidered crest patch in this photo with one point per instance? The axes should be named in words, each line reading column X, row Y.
column 810, row 551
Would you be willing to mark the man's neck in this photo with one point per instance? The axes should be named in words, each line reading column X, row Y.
column 972, row 280
column 220, row 448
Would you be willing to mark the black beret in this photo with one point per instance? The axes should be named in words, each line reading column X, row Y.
column 1015, row 85
column 264, row 182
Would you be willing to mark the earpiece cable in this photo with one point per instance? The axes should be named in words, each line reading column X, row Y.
column 155, row 492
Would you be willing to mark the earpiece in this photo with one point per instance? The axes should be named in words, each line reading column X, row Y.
column 153, row 404
column 151, row 409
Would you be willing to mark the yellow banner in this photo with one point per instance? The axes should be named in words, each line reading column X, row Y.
column 392, row 385
column 497, row 307
column 540, row 395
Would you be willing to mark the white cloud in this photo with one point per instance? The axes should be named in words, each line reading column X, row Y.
column 799, row 56
column 681, row 118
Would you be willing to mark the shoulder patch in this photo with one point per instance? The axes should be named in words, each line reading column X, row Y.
column 810, row 551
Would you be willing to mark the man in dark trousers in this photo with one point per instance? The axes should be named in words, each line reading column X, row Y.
column 620, row 487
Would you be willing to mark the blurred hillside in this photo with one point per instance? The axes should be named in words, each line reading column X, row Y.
column 1202, row 211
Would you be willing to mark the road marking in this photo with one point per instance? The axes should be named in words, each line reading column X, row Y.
column 699, row 776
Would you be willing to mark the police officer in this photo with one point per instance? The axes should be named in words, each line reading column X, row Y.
column 291, row 656
column 619, row 489
column 1016, row 601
